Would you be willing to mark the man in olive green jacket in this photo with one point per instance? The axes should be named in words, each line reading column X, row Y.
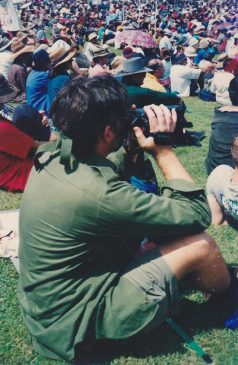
column 83, row 272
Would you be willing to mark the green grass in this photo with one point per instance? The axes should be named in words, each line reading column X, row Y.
column 162, row 347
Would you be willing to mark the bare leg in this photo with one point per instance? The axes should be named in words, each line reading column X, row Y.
column 199, row 256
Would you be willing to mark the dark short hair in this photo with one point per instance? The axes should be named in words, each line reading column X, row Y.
column 85, row 107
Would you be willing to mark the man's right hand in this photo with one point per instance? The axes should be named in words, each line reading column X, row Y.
column 161, row 119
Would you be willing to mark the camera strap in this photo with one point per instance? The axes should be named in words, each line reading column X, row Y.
column 194, row 346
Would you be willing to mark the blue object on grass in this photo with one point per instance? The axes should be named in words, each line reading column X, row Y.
column 232, row 322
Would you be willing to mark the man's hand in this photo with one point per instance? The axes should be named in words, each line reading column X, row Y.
column 161, row 119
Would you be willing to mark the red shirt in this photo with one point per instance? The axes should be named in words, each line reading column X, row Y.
column 15, row 165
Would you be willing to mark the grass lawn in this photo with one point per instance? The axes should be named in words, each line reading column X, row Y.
column 201, row 320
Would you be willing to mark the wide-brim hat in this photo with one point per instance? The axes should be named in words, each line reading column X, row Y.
column 21, row 36
column 190, row 52
column 179, row 59
column 4, row 43
column 204, row 43
column 133, row 66
column 219, row 66
column 42, row 46
column 100, row 53
column 61, row 52
column 199, row 28
column 196, row 31
column 193, row 42
column 25, row 49
column 222, row 57
column 168, row 32
column 92, row 36
column 7, row 91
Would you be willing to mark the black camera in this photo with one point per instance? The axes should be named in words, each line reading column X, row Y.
column 138, row 118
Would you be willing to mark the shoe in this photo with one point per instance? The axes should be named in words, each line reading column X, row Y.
column 229, row 297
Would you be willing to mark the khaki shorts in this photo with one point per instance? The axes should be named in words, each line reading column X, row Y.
column 151, row 274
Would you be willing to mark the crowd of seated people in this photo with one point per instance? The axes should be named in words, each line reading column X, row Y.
column 38, row 71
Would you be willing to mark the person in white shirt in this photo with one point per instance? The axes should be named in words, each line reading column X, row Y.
column 190, row 53
column 230, row 43
column 181, row 76
column 5, row 56
column 220, row 83
column 166, row 60
column 165, row 42
column 233, row 49
column 91, row 46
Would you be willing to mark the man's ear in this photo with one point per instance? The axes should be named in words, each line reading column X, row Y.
column 108, row 134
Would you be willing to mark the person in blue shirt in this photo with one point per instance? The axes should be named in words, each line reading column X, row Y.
column 37, row 81
column 202, row 54
column 61, row 56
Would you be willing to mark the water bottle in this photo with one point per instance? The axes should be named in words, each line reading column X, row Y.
column 232, row 322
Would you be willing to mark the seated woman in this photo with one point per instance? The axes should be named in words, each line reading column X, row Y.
column 222, row 189
column 17, row 142
column 224, row 130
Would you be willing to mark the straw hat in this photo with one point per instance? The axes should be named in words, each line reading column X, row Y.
column 203, row 43
column 21, row 36
column 219, row 66
column 206, row 66
column 193, row 42
column 7, row 92
column 19, row 48
column 222, row 57
column 92, row 36
column 61, row 52
column 43, row 46
column 100, row 53
column 190, row 52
